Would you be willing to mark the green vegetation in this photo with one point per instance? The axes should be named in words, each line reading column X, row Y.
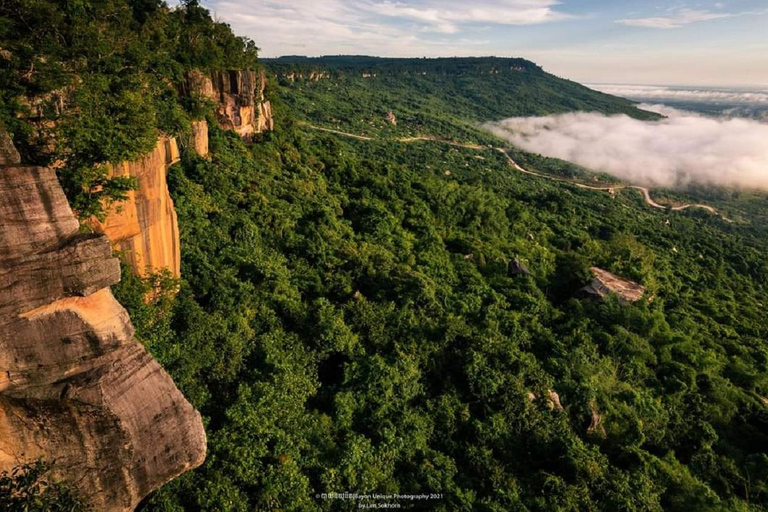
column 336, row 334
column 27, row 489
column 445, row 97
column 345, row 320
column 94, row 81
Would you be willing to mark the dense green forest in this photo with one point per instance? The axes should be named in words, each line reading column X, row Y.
column 345, row 320
column 332, row 328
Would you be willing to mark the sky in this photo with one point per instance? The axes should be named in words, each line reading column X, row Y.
column 665, row 42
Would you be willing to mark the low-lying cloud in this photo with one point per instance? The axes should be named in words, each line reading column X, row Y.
column 714, row 96
column 682, row 149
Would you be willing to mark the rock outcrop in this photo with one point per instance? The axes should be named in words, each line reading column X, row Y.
column 604, row 283
column 76, row 388
column 8, row 153
column 239, row 96
column 199, row 140
column 312, row 76
column 517, row 268
column 144, row 227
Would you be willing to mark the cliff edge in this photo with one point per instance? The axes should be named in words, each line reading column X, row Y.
column 76, row 388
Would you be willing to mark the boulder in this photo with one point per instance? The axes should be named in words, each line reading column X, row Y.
column 517, row 268
column 604, row 284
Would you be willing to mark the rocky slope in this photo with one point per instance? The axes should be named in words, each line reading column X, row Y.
column 144, row 227
column 76, row 388
column 242, row 106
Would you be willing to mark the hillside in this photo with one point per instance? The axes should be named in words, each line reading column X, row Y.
column 438, row 96
column 349, row 304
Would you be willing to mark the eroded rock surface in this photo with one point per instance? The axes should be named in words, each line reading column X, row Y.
column 604, row 283
column 76, row 388
column 239, row 96
column 8, row 153
column 144, row 227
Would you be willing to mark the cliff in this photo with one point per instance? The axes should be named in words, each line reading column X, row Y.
column 76, row 388
column 239, row 96
column 144, row 227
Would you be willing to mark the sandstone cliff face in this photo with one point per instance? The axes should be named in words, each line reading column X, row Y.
column 312, row 76
column 144, row 227
column 76, row 388
column 200, row 138
column 239, row 96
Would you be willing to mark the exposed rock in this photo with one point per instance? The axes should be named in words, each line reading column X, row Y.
column 200, row 137
column 239, row 96
column 312, row 76
column 76, row 387
column 391, row 118
column 516, row 268
column 266, row 121
column 605, row 283
column 595, row 423
column 553, row 401
column 144, row 227
column 8, row 153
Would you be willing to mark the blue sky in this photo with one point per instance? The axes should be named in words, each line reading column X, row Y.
column 716, row 43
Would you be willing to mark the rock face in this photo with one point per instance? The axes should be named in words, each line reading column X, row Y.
column 517, row 268
column 8, row 153
column 144, row 227
column 76, row 388
column 605, row 283
column 312, row 76
column 200, row 137
column 239, row 96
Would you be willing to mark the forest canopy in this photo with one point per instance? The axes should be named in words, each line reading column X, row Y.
column 346, row 320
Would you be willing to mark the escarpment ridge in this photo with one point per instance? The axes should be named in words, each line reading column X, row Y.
column 144, row 226
column 239, row 96
column 76, row 388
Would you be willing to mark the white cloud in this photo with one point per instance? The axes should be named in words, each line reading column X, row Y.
column 312, row 27
column 678, row 19
column 448, row 15
column 711, row 96
column 681, row 16
column 672, row 152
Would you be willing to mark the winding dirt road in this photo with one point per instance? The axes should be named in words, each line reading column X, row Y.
column 611, row 189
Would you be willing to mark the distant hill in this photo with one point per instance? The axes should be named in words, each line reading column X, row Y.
column 433, row 93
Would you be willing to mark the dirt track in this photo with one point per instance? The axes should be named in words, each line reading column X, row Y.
column 607, row 188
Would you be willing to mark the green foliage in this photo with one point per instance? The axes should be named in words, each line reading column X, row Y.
column 345, row 319
column 346, row 323
column 27, row 489
column 445, row 97
column 93, row 82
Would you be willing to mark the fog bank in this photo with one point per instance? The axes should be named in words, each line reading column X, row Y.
column 681, row 94
column 685, row 148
